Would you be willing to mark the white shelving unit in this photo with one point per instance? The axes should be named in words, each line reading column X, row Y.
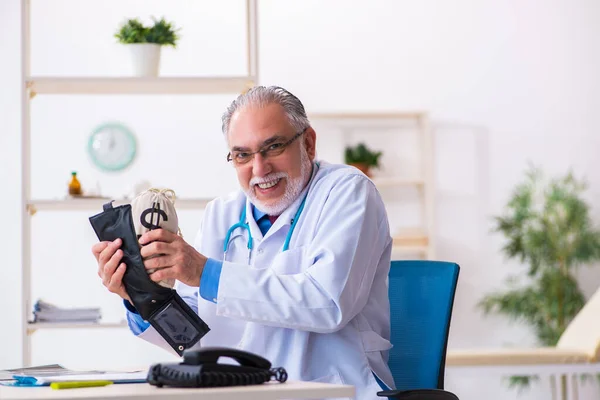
column 126, row 85
column 419, row 242
column 33, row 86
column 73, row 204
column 32, row 327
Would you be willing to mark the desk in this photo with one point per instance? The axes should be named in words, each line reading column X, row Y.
column 266, row 391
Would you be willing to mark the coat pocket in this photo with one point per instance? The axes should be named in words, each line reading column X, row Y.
column 290, row 262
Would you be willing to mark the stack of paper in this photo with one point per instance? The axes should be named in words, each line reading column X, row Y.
column 43, row 375
column 46, row 312
column 40, row 370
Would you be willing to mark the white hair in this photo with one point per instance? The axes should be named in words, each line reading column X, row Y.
column 263, row 95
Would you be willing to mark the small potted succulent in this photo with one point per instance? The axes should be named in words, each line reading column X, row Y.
column 145, row 43
column 363, row 158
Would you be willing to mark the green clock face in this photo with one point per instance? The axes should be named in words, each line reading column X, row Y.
column 112, row 147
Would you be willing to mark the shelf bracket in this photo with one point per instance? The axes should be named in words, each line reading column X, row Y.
column 29, row 86
column 31, row 209
column 249, row 85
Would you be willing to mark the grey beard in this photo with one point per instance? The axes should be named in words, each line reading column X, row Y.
column 292, row 191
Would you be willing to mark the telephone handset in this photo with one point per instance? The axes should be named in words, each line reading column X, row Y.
column 211, row 355
column 200, row 368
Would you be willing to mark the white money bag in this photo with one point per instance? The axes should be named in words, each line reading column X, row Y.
column 153, row 209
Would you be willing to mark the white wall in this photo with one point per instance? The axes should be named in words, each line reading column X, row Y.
column 506, row 83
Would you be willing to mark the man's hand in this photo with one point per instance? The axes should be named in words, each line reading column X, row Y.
column 110, row 268
column 172, row 257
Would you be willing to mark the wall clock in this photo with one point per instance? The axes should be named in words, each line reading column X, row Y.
column 112, row 147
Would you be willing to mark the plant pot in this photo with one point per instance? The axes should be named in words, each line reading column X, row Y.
column 145, row 59
column 364, row 168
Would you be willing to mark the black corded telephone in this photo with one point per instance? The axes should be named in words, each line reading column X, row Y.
column 200, row 369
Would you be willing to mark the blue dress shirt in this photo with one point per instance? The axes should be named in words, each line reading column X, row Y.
column 209, row 281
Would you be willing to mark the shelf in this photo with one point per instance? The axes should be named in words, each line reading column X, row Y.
column 411, row 237
column 72, row 204
column 367, row 115
column 390, row 182
column 409, row 250
column 34, row 326
column 133, row 85
column 410, row 241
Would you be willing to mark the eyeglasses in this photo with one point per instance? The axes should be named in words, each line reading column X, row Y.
column 270, row 150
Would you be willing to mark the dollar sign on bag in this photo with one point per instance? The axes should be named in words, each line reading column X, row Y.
column 155, row 209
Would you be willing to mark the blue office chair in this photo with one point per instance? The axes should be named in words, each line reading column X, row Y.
column 421, row 298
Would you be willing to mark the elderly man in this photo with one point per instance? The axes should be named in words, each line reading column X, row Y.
column 293, row 266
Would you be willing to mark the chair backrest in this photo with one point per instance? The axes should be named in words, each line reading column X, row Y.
column 421, row 298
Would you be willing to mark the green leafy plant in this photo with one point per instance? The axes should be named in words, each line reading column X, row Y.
column 547, row 226
column 161, row 32
column 361, row 154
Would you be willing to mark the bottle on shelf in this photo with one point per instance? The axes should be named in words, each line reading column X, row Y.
column 74, row 185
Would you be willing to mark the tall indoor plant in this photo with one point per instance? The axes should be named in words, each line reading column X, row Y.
column 145, row 43
column 548, row 228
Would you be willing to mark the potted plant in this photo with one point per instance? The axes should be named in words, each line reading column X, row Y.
column 145, row 43
column 548, row 227
column 363, row 158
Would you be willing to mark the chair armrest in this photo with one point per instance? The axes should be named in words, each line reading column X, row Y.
column 419, row 394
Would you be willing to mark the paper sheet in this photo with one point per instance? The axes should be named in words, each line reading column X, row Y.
column 119, row 377
column 46, row 374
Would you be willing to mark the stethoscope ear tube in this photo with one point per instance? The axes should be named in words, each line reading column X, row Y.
column 243, row 224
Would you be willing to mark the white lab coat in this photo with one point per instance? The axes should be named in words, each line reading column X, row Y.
column 319, row 309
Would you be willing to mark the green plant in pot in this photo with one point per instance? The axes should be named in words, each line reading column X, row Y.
column 548, row 228
column 145, row 43
column 361, row 157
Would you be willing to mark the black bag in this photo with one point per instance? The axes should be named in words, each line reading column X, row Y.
column 162, row 307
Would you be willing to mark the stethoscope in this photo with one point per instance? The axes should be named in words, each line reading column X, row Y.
column 243, row 224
